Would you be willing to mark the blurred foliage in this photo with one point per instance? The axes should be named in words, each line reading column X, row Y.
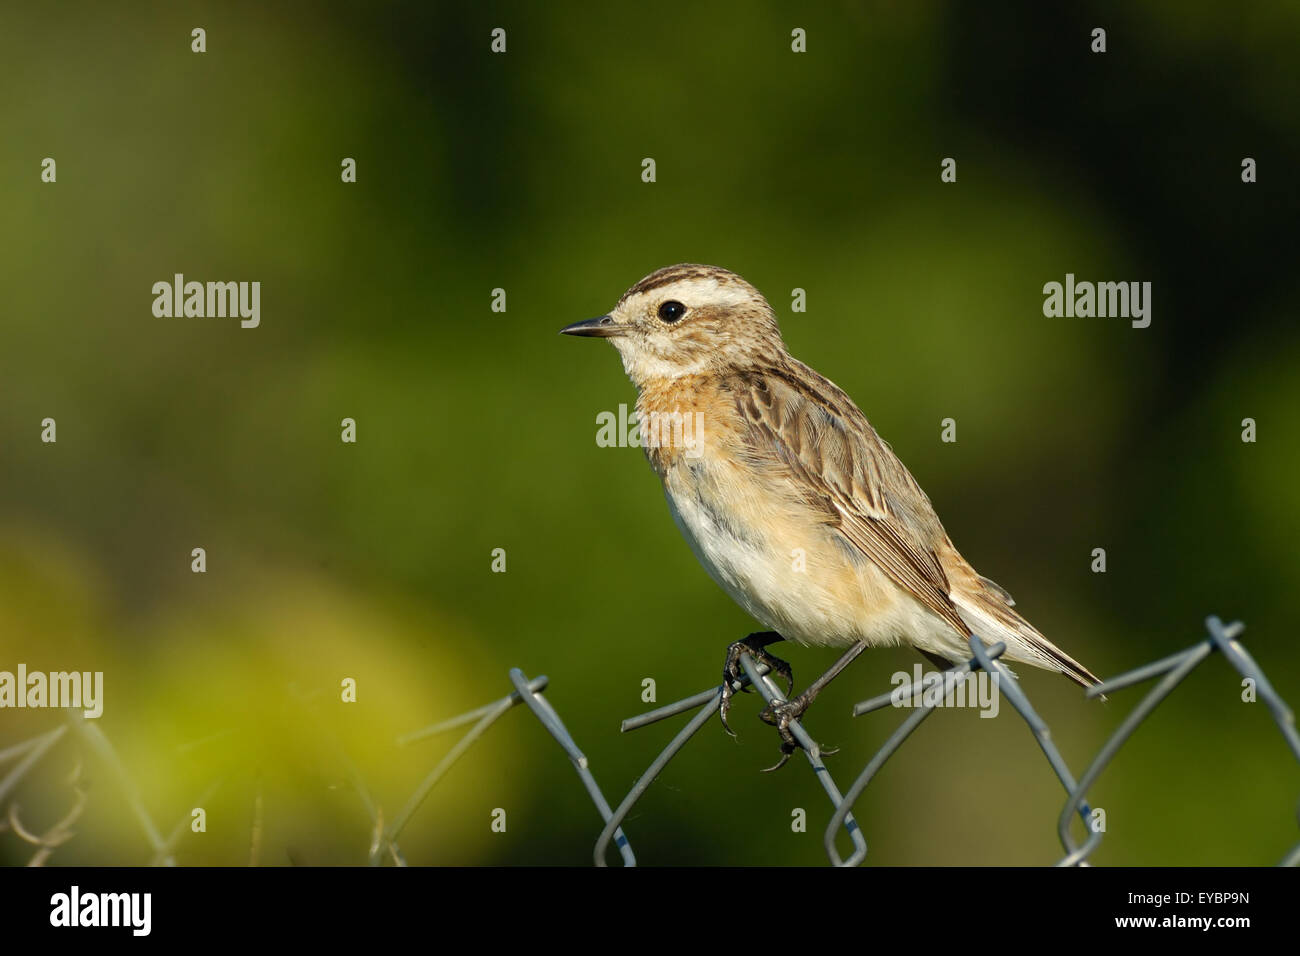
column 476, row 429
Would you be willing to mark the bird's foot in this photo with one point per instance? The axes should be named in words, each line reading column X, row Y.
column 733, row 674
column 779, row 714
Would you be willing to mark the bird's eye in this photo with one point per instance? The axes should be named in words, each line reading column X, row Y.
column 671, row 311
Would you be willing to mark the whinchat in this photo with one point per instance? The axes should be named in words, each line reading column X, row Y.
column 788, row 497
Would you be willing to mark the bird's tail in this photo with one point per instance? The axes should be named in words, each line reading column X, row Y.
column 990, row 614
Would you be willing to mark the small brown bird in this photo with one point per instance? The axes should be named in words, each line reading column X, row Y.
column 787, row 495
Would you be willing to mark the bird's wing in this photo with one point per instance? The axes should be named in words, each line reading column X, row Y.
column 800, row 421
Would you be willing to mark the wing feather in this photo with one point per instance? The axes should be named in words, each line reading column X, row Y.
column 805, row 423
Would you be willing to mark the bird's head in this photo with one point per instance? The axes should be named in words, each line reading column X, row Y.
column 687, row 320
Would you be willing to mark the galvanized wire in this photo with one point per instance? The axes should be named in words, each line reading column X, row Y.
column 1175, row 669
column 756, row 675
column 1171, row 671
column 895, row 740
column 528, row 693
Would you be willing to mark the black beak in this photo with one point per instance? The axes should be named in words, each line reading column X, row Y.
column 601, row 327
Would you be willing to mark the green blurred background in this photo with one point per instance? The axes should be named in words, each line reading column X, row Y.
column 476, row 430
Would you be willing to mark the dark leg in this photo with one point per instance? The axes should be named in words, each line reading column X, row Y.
column 937, row 660
column 733, row 673
column 780, row 714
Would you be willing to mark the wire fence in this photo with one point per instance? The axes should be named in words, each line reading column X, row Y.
column 842, row 829
column 1171, row 670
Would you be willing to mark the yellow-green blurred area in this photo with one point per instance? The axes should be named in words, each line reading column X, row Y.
column 372, row 562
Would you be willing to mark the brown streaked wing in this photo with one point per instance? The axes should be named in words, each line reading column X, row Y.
column 806, row 423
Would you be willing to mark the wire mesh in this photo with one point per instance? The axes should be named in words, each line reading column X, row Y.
column 1171, row 671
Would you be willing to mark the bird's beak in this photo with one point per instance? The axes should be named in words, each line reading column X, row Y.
column 601, row 327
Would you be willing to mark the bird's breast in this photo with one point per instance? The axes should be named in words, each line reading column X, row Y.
column 730, row 536
column 753, row 526
column 772, row 553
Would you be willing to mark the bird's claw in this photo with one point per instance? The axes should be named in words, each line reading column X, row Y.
column 780, row 713
column 733, row 675
column 771, row 715
column 785, row 756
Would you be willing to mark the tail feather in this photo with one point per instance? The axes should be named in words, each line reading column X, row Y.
column 991, row 617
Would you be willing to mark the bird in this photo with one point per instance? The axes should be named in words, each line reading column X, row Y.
column 789, row 498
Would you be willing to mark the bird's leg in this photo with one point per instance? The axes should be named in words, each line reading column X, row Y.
column 779, row 713
column 733, row 673
column 938, row 660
